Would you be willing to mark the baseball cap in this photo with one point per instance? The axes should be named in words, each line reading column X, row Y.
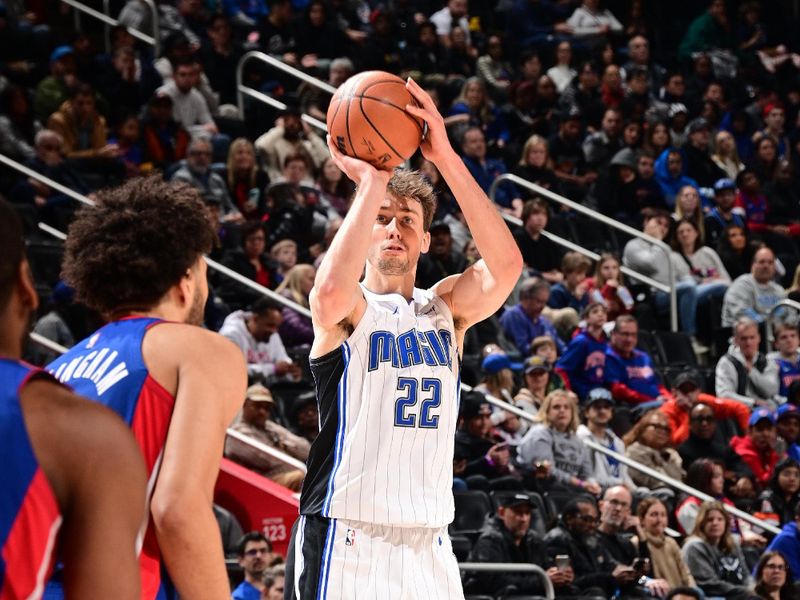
column 726, row 183
column 624, row 158
column 787, row 410
column 494, row 363
column 760, row 415
column 516, row 499
column 61, row 52
column 258, row 393
column 536, row 363
column 698, row 124
column 598, row 394
column 474, row 404
column 439, row 225
column 685, row 377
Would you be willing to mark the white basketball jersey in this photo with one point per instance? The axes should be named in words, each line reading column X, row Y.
column 393, row 390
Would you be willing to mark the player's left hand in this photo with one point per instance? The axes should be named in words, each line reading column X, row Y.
column 356, row 169
column 435, row 146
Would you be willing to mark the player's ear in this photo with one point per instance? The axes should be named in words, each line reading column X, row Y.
column 26, row 289
column 426, row 242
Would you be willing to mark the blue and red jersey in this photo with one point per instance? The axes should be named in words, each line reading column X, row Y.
column 108, row 367
column 632, row 380
column 29, row 513
column 583, row 363
column 788, row 372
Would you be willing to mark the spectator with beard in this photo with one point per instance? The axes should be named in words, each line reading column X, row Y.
column 757, row 448
column 290, row 136
column 441, row 259
column 722, row 215
column 254, row 550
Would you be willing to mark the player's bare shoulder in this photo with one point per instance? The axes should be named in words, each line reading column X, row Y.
column 327, row 339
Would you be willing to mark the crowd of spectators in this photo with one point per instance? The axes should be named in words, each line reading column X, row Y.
column 680, row 121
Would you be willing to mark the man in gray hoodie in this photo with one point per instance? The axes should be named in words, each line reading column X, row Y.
column 754, row 294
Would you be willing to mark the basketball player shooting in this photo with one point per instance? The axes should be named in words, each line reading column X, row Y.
column 377, row 498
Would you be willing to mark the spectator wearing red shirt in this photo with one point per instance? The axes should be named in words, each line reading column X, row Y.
column 757, row 448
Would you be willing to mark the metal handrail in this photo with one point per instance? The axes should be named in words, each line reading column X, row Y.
column 673, row 483
column 771, row 315
column 603, row 219
column 211, row 263
column 242, row 90
column 109, row 20
column 549, row 591
column 273, row 452
column 47, row 343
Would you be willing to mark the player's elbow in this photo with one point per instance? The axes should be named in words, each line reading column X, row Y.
column 172, row 512
column 329, row 304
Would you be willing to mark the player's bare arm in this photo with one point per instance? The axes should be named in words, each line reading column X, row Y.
column 478, row 292
column 336, row 299
column 99, row 481
column 207, row 375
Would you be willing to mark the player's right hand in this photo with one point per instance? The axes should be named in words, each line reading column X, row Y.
column 356, row 169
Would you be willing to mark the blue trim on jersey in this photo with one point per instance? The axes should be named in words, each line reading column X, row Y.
column 322, row 586
column 341, row 402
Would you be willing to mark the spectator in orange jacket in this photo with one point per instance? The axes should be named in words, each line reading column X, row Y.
column 757, row 448
column 686, row 395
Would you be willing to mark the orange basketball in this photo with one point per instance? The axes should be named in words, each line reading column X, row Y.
column 367, row 119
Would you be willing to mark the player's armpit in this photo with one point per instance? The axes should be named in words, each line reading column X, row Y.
column 475, row 294
column 96, row 470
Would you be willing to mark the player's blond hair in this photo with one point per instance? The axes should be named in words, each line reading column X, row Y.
column 413, row 185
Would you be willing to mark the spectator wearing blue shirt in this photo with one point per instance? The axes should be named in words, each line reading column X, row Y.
column 255, row 554
column 572, row 292
column 787, row 542
column 671, row 174
column 486, row 170
column 524, row 322
column 583, row 363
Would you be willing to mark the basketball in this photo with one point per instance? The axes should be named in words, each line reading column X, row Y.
column 367, row 119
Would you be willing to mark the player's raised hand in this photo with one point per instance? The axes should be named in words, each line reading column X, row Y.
column 356, row 169
column 435, row 146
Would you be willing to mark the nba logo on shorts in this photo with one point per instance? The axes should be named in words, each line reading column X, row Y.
column 350, row 538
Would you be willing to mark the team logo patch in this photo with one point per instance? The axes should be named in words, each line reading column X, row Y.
column 350, row 538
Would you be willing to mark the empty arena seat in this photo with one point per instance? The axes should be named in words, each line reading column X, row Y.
column 472, row 507
column 676, row 349
column 462, row 546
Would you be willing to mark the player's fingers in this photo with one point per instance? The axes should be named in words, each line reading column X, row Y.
column 419, row 94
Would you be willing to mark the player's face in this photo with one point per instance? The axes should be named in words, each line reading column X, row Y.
column 198, row 306
column 398, row 237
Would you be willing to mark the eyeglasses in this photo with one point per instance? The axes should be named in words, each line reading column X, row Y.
column 658, row 427
column 775, row 567
column 256, row 551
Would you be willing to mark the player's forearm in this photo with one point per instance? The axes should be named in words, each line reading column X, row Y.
column 490, row 232
column 191, row 546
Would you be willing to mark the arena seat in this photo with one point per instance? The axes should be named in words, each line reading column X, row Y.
column 462, row 546
column 676, row 349
column 472, row 507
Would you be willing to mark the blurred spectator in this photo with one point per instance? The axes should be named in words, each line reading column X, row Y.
column 774, row 121
column 765, row 162
column 538, row 381
column 119, row 81
column 290, row 136
column 524, row 322
column 55, row 89
column 253, row 553
column 296, row 329
column 757, row 448
column 459, row 62
column 276, row 33
column 220, row 56
column 699, row 165
column 783, row 200
column 688, row 206
column 654, row 261
column 787, row 542
column 658, row 138
column 629, row 371
column 250, row 261
column 608, row 287
column 572, row 290
column 507, row 538
column 494, row 69
column 615, row 520
column 127, row 139
column 671, row 174
column 705, row 265
column 598, row 410
column 787, row 356
column 244, row 13
column 256, row 334
column 639, row 58
column 197, row 173
column 82, row 128
column 777, row 503
column 562, row 72
column 753, row 295
column 17, row 124
column 53, row 324
column 535, row 24
column 638, row 98
column 744, row 373
column 185, row 17
column 254, row 422
column 318, row 39
column 485, row 170
column 246, row 183
column 535, row 164
column 582, row 363
column 473, row 108
column 569, row 162
column 599, row 147
column 708, row 32
column 553, row 446
column 383, row 50
column 334, row 187
column 736, row 251
column 274, row 583
column 230, row 530
column 441, row 260
column 315, row 101
column 575, row 535
column 662, row 550
column 773, row 579
column 165, row 140
column 686, row 394
column 426, row 57
column 454, row 14
column 539, row 253
column 591, row 25
column 304, row 416
column 726, row 156
column 189, row 107
column 284, row 255
column 583, row 95
column 706, row 441
column 713, row 557
column 722, row 215
column 648, row 443
column 498, row 376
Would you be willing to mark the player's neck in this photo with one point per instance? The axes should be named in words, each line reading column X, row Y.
column 165, row 311
column 379, row 283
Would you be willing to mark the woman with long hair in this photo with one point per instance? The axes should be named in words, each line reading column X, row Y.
column 713, row 556
column 246, row 182
column 777, row 503
column 663, row 551
column 736, row 250
column 774, row 580
column 689, row 206
column 704, row 263
column 648, row 442
column 765, row 161
column 535, row 164
column 295, row 329
column 607, row 286
column 554, row 446
column 657, row 139
column 473, row 108
column 725, row 154
column 334, row 188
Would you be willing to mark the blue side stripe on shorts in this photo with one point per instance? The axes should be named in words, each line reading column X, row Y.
column 325, row 563
column 341, row 402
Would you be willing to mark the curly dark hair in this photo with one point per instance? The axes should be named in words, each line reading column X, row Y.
column 139, row 241
column 12, row 250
